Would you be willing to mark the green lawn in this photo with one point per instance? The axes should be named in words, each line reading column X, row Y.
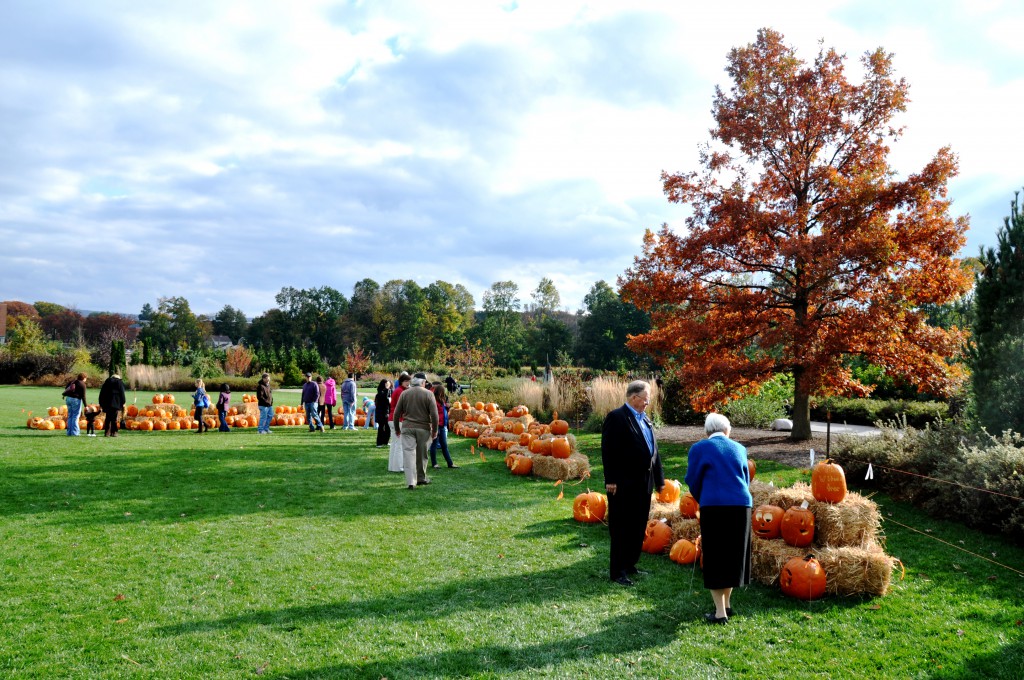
column 296, row 555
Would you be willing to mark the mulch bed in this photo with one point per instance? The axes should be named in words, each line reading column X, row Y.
column 761, row 444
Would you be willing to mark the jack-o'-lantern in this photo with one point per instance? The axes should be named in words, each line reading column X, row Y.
column 521, row 465
column 590, row 507
column 656, row 536
column 828, row 482
column 798, row 526
column 688, row 506
column 767, row 522
column 802, row 578
column 670, row 492
column 683, row 552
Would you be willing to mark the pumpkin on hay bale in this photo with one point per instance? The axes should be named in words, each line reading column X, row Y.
column 666, row 511
column 851, row 570
column 856, row 521
column 657, row 537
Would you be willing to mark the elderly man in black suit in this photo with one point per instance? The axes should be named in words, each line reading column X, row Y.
column 632, row 471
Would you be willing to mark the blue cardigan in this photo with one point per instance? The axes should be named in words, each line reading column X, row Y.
column 717, row 473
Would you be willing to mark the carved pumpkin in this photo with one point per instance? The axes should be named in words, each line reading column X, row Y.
column 828, row 482
column 670, row 492
column 168, row 398
column 656, row 536
column 541, row 446
column 767, row 522
column 49, row 425
column 518, row 428
column 52, row 411
column 133, row 411
column 802, row 578
column 590, row 507
column 688, row 506
column 683, row 552
column 521, row 465
column 158, row 398
column 559, row 427
column 560, row 447
column 798, row 526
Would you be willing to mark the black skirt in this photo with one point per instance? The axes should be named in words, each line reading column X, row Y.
column 725, row 546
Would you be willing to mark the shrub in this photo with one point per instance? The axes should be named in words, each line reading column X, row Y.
column 675, row 406
column 945, row 451
column 870, row 411
column 32, row 366
column 292, row 375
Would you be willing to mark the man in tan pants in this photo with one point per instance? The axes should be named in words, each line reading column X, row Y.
column 416, row 424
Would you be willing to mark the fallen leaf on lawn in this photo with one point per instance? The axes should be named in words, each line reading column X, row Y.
column 959, row 633
column 262, row 667
column 992, row 577
column 957, row 567
column 1020, row 622
column 994, row 555
column 926, row 577
column 119, row 597
column 875, row 607
column 584, row 545
column 557, row 483
column 561, row 495
column 501, row 556
column 121, row 621
column 927, row 531
column 808, row 617
column 127, row 514
column 128, row 658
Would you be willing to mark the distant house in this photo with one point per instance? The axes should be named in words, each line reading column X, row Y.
column 219, row 342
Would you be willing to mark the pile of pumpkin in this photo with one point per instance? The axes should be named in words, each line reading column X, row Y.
column 56, row 418
column 826, row 540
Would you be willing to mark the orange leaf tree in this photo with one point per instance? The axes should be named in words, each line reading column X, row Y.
column 803, row 247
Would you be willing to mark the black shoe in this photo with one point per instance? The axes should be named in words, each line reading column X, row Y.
column 728, row 612
column 623, row 581
column 411, row 487
column 711, row 618
column 423, row 483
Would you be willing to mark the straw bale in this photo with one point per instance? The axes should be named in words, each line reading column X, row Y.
column 855, row 570
column 786, row 497
column 576, row 466
column 761, row 492
column 768, row 558
column 666, row 511
column 457, row 415
column 856, row 522
column 683, row 527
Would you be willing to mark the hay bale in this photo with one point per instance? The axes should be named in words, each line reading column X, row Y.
column 856, row 522
column 786, row 497
column 855, row 570
column 768, row 558
column 761, row 492
column 666, row 511
column 457, row 415
column 576, row 466
column 683, row 527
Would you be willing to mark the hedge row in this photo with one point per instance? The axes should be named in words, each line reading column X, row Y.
column 870, row 411
column 987, row 473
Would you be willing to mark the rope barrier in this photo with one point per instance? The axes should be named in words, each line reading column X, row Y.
column 936, row 479
column 1000, row 564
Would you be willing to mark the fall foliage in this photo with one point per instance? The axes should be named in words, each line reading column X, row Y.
column 803, row 246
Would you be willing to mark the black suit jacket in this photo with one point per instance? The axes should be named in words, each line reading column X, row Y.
column 628, row 462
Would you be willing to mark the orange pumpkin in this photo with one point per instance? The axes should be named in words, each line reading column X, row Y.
column 683, row 552
column 159, row 425
column 521, row 465
column 559, row 427
column 518, row 428
column 168, row 398
column 146, row 426
column 828, row 482
column 525, row 439
column 798, row 526
column 670, row 492
column 751, row 467
column 656, row 536
column 479, row 406
column 490, row 407
column 560, row 447
column 802, row 578
column 688, row 506
column 590, row 507
column 52, row 411
column 158, row 398
column 767, row 522
column 174, row 425
column 133, row 411
column 541, row 446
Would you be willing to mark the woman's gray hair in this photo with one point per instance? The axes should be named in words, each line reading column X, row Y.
column 637, row 387
column 716, row 422
column 418, row 382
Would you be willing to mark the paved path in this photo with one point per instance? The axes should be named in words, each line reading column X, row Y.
column 840, row 428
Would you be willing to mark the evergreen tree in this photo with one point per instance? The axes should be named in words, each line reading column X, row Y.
column 998, row 358
column 118, row 364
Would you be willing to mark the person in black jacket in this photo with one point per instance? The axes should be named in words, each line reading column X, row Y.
column 112, row 400
column 632, row 471
column 381, row 406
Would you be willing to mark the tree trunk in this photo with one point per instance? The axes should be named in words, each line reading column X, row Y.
column 801, row 411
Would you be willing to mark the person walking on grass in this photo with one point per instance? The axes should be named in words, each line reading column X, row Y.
column 265, row 402
column 416, row 426
column 382, row 406
column 348, row 402
column 441, row 440
column 74, row 398
column 310, row 395
column 201, row 401
column 396, row 458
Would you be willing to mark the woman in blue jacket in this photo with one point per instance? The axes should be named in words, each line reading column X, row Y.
column 719, row 479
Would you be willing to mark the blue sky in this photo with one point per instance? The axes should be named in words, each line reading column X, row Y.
column 222, row 150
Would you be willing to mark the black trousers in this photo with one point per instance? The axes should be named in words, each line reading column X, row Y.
column 326, row 416
column 110, row 418
column 628, row 512
column 199, row 419
column 383, row 432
